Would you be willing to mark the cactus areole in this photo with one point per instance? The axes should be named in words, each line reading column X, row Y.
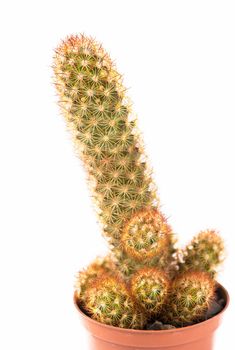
column 147, row 292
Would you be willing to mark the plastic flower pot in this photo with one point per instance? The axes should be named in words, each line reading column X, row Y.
column 196, row 337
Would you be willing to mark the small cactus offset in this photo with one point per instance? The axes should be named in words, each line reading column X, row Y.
column 98, row 268
column 146, row 240
column 150, row 289
column 144, row 278
column 190, row 297
column 109, row 301
column 146, row 236
column 204, row 253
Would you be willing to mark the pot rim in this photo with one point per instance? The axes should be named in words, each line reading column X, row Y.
column 164, row 331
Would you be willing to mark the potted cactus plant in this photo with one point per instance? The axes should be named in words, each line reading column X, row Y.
column 146, row 294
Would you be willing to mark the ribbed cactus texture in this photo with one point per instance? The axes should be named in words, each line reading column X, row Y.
column 109, row 301
column 204, row 253
column 190, row 296
column 142, row 277
column 96, row 108
column 150, row 287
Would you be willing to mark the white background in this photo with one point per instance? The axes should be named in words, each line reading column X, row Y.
column 178, row 59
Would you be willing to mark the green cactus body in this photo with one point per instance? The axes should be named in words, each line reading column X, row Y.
column 190, row 296
column 109, row 301
column 95, row 106
column 126, row 289
column 147, row 240
column 85, row 278
column 150, row 289
column 204, row 253
column 145, row 235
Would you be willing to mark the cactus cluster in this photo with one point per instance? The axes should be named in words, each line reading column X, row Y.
column 145, row 276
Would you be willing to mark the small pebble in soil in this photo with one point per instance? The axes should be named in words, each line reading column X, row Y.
column 214, row 308
column 157, row 325
column 217, row 305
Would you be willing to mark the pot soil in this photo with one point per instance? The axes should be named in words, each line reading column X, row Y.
column 195, row 337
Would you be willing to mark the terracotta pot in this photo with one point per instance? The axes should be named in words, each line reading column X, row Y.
column 195, row 337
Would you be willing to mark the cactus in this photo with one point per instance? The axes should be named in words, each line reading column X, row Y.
column 85, row 278
column 95, row 106
column 128, row 287
column 150, row 289
column 190, row 297
column 147, row 240
column 145, row 235
column 109, row 301
column 204, row 253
